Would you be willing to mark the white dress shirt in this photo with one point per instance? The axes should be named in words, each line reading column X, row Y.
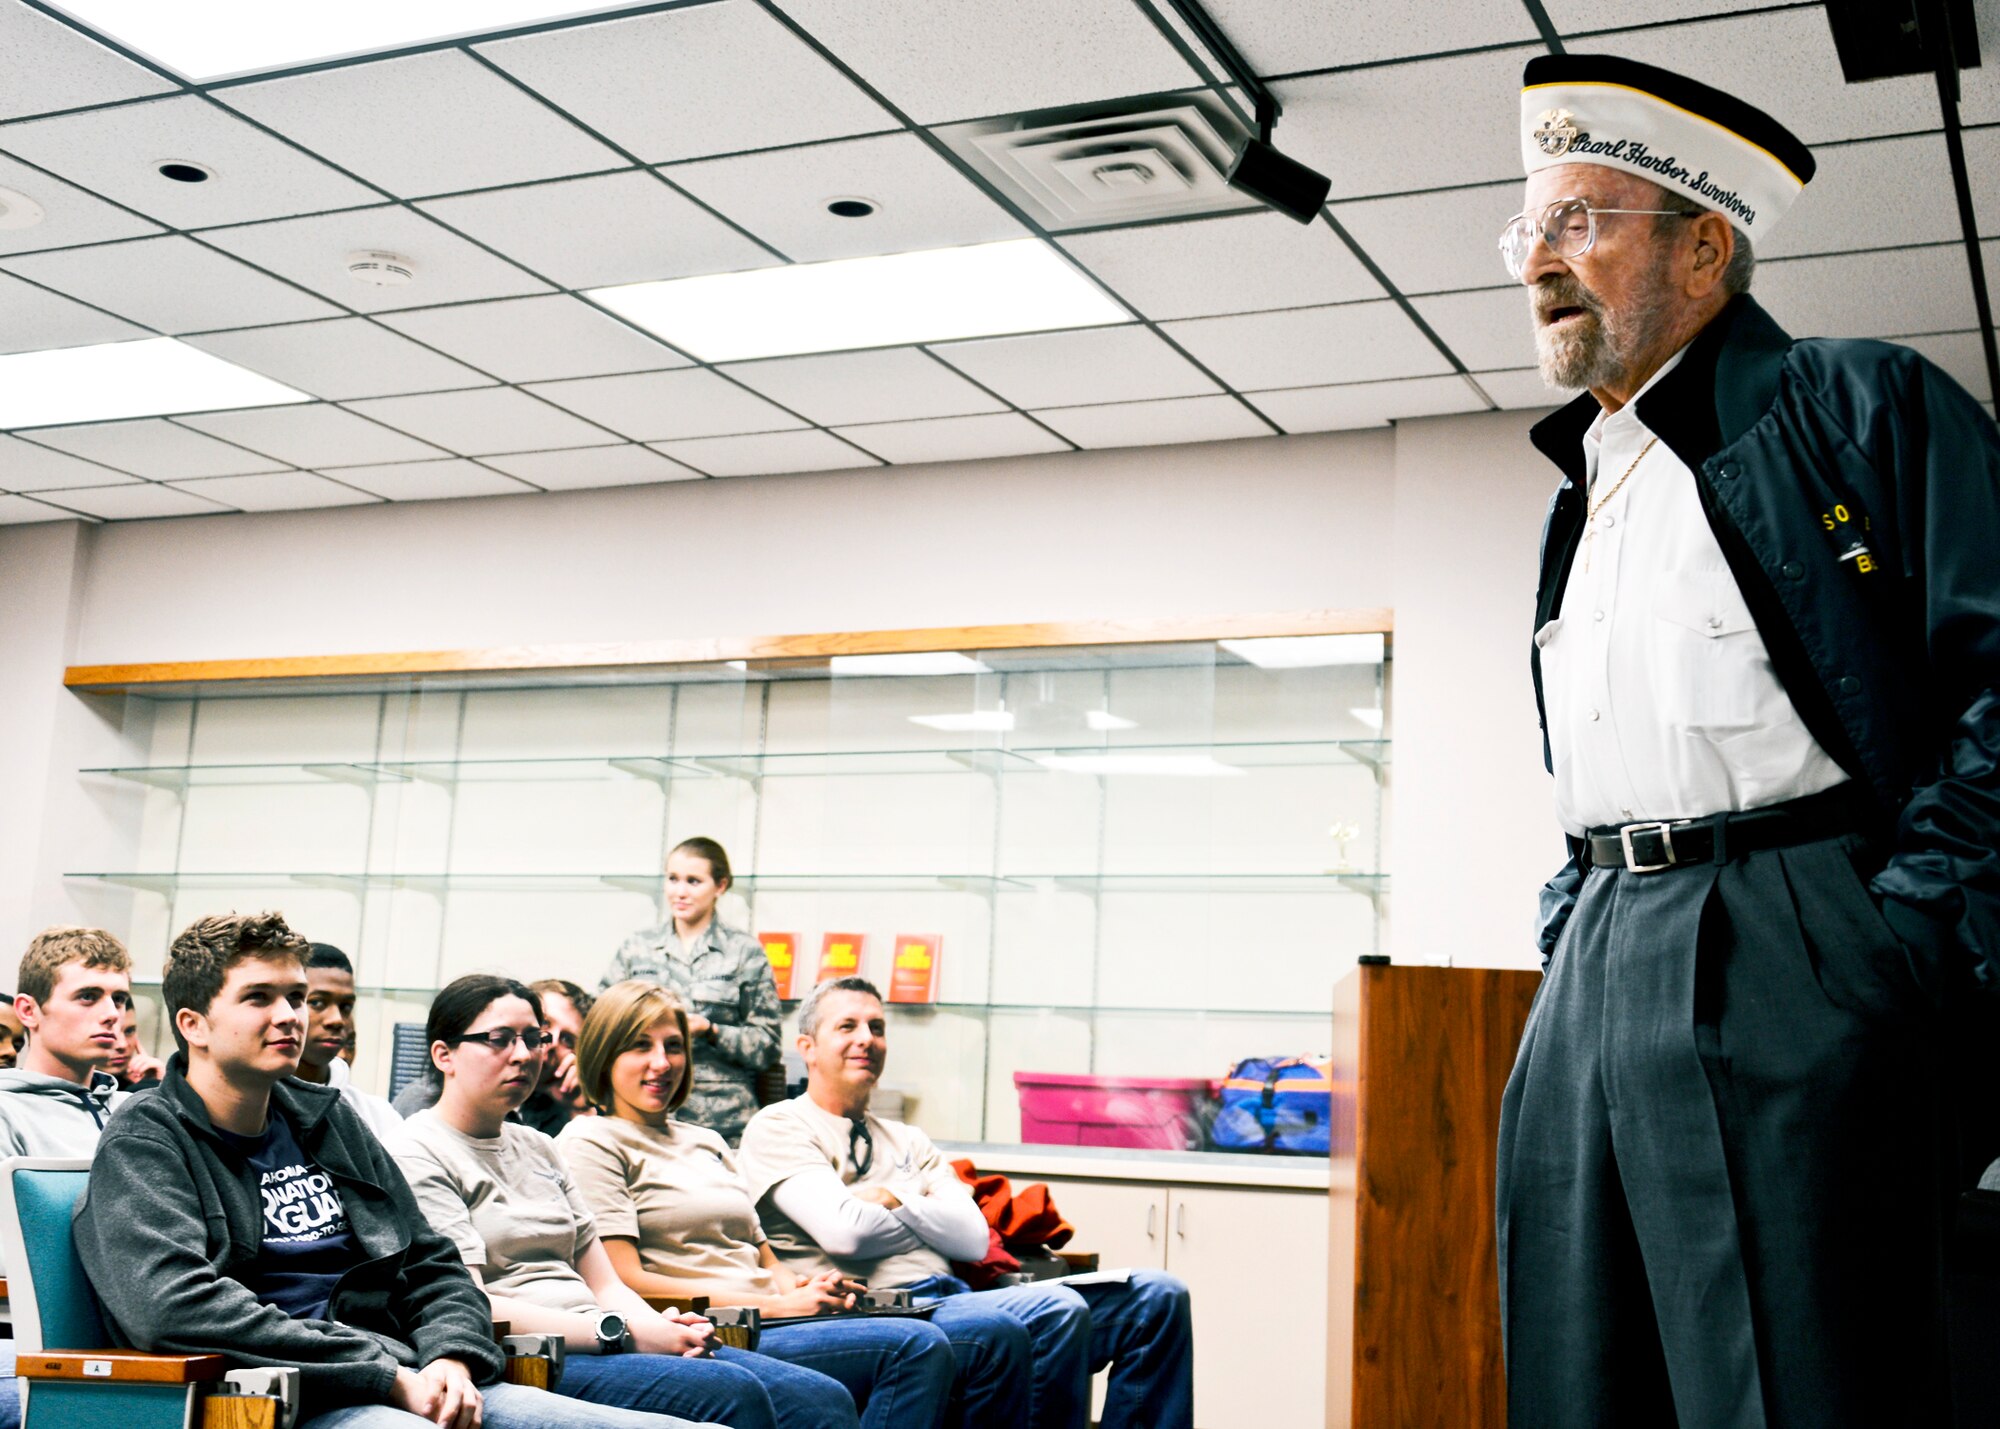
column 1660, row 696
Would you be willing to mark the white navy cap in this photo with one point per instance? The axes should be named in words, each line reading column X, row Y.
column 1707, row 146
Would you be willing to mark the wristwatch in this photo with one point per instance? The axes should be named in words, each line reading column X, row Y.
column 612, row 1336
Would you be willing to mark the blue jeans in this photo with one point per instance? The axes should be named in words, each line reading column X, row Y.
column 10, row 1388
column 899, row 1371
column 1141, row 1328
column 734, row 1387
column 508, row 1406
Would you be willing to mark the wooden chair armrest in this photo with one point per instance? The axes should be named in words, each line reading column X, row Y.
column 686, row 1304
column 128, row 1365
column 501, row 1330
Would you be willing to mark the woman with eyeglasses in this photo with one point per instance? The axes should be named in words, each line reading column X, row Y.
column 500, row 1191
column 677, row 1220
column 723, row 978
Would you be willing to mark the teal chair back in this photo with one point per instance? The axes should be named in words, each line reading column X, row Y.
column 53, row 1304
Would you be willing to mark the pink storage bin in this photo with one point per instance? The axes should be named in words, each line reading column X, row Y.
column 1144, row 1113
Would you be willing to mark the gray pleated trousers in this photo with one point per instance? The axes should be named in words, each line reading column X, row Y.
column 1725, row 1159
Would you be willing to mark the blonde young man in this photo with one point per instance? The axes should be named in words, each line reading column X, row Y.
column 1767, row 650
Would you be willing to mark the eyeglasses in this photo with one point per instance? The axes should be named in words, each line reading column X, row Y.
column 860, row 1145
column 1568, row 226
column 502, row 1039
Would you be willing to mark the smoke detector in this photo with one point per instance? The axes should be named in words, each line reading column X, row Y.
column 1083, row 168
column 18, row 210
column 380, row 270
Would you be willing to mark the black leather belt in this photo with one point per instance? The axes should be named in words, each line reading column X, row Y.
column 1655, row 845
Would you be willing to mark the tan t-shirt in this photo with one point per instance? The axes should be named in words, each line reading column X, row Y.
column 507, row 1202
column 798, row 1135
column 675, row 1190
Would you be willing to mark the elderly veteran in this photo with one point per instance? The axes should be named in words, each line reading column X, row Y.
column 1767, row 653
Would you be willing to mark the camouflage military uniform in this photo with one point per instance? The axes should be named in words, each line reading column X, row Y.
column 727, row 979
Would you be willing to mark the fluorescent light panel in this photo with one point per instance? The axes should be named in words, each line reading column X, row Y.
column 936, row 662
column 968, row 722
column 149, row 378
column 1300, row 652
column 983, row 290
column 217, row 39
column 1105, row 720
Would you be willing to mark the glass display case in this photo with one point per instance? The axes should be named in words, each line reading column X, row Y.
column 1137, row 865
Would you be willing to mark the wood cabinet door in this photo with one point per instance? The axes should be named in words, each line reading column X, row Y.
column 1255, row 1266
column 1125, row 1222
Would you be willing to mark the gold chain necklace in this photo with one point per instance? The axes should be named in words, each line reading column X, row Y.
column 1590, row 528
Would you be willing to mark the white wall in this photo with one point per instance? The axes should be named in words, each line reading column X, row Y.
column 1437, row 519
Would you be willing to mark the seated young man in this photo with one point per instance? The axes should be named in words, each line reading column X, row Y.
column 76, row 983
column 130, row 1064
column 240, row 1212
column 330, row 1007
column 837, row 1187
column 13, row 1036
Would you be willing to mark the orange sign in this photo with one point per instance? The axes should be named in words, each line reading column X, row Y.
column 914, row 976
column 780, row 949
column 839, row 956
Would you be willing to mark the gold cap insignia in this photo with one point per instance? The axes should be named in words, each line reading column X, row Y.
column 1556, row 131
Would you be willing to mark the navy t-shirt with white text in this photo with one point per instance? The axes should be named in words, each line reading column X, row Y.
column 307, row 1243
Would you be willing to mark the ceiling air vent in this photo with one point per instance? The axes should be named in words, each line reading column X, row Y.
column 1081, row 170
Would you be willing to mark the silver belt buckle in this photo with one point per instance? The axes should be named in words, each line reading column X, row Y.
column 1664, row 830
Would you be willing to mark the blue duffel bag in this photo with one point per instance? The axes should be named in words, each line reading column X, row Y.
column 1276, row 1104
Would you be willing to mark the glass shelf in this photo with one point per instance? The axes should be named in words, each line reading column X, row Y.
column 1119, row 760
column 167, row 881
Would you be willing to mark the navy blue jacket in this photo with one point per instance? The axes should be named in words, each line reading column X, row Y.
column 1855, row 492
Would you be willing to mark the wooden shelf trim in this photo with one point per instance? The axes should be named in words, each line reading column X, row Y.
column 713, row 650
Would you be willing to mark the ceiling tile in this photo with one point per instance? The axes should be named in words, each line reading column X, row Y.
column 27, row 467
column 1982, row 165
column 313, row 252
column 343, row 358
column 423, row 124
column 781, row 196
column 594, row 232
column 20, row 510
column 154, row 448
column 171, row 284
column 894, row 384
column 140, row 501
column 1487, row 329
column 276, row 491
column 673, row 85
column 666, row 406
column 1870, row 194
column 1872, row 294
column 627, row 465
column 117, row 153
column 965, row 59
column 1366, row 404
column 69, row 215
column 316, row 435
column 1279, row 36
column 1223, row 265
column 768, row 454
column 1357, row 342
column 45, row 65
column 955, row 439
column 1435, row 242
column 484, row 420
column 1584, row 16
column 1398, row 128
column 1783, row 61
column 536, row 339
column 1145, row 424
column 1522, row 389
column 431, row 480
column 1959, row 353
column 33, row 318
column 1070, row 369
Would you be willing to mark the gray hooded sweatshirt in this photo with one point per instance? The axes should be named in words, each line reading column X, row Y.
column 47, row 1116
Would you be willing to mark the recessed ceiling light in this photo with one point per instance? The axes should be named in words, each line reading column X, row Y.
column 217, row 39
column 18, row 210
column 851, row 207
column 935, row 662
column 1299, row 652
column 968, row 721
column 183, row 172
column 150, row 378
column 986, row 289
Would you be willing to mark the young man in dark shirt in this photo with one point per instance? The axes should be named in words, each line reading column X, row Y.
column 240, row 1212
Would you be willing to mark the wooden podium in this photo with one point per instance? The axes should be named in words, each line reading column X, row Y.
column 1414, row 1319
